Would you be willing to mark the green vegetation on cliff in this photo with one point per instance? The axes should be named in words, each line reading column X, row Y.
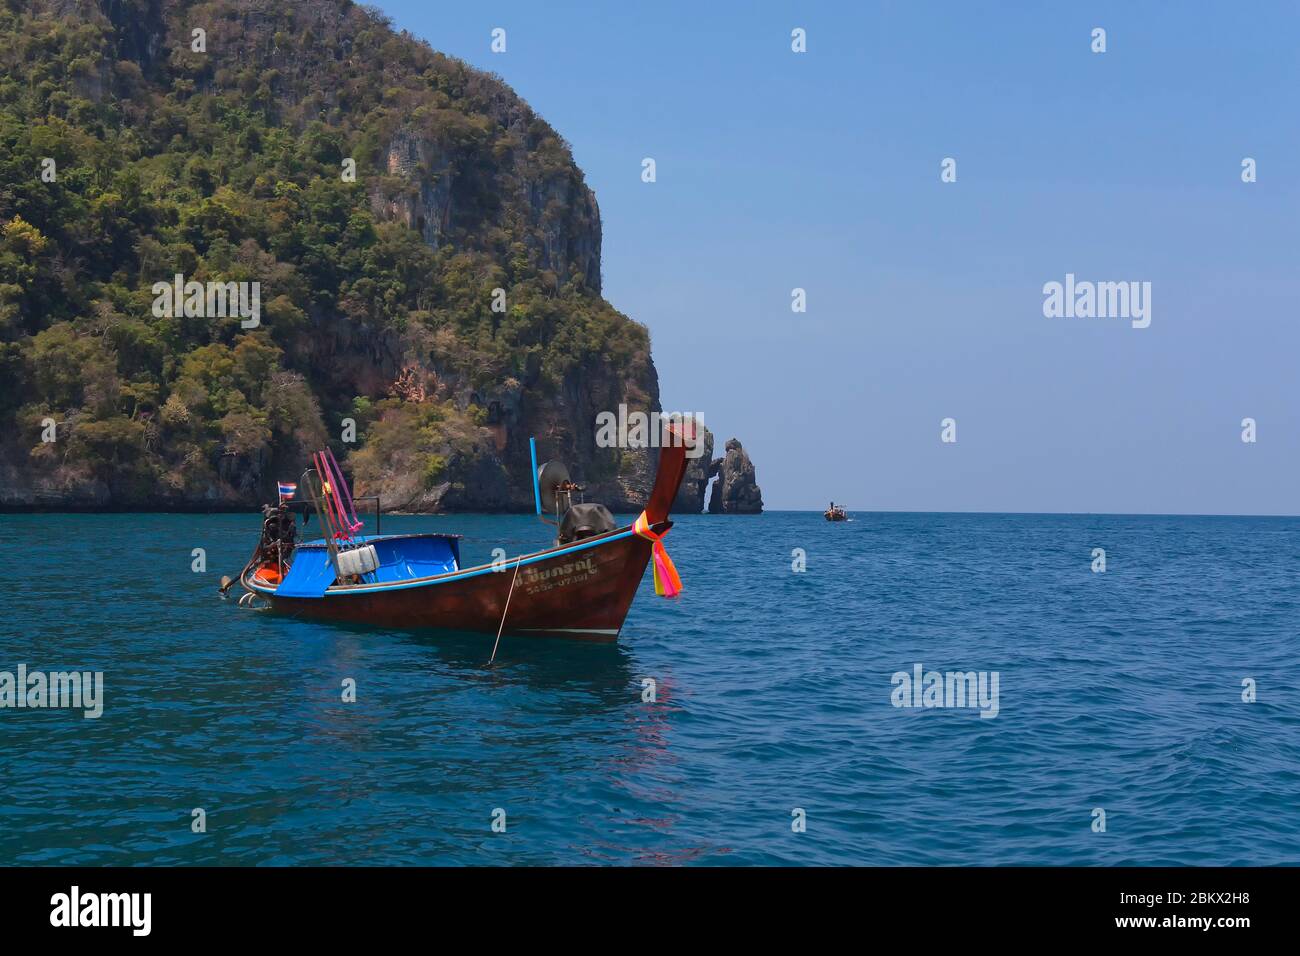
column 228, row 165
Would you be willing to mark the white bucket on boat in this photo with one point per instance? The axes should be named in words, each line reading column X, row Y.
column 358, row 561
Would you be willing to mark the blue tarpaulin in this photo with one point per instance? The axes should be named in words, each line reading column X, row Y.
column 310, row 573
column 404, row 557
column 401, row 558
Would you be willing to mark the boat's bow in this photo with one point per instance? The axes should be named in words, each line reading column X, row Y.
column 653, row 523
column 672, row 468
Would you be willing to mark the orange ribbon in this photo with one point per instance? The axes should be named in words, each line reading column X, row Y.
column 668, row 582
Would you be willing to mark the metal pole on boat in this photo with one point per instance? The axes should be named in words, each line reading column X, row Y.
column 326, row 530
column 507, row 608
column 537, row 491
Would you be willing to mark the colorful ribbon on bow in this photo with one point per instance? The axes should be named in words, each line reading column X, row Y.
column 668, row 582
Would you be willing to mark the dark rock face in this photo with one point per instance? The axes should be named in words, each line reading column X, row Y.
column 735, row 492
column 434, row 187
column 620, row 479
column 425, row 171
column 690, row 497
column 139, row 27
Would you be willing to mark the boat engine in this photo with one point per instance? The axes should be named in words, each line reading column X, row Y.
column 575, row 520
column 583, row 521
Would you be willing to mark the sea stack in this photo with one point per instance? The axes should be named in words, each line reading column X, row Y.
column 735, row 492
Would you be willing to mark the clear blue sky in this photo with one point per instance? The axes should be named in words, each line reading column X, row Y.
column 821, row 171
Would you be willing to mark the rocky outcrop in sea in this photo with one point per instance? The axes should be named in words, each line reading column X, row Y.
column 735, row 492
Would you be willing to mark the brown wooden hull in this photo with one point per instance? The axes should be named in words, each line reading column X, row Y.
column 582, row 591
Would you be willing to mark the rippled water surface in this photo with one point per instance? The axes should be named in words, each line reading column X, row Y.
column 1120, row 691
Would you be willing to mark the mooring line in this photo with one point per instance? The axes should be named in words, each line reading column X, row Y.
column 509, row 595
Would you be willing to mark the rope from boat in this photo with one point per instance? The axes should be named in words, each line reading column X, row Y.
column 514, row 578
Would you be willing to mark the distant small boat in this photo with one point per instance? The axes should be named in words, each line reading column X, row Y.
column 581, row 587
column 835, row 513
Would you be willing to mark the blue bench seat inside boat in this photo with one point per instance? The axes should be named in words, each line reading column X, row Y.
column 401, row 558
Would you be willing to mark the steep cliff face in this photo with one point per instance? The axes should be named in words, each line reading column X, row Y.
column 423, row 189
column 418, row 189
column 424, row 311
column 690, row 496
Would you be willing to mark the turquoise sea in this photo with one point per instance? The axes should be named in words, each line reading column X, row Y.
column 1119, row 692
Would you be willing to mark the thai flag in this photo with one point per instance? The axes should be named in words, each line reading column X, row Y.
column 287, row 490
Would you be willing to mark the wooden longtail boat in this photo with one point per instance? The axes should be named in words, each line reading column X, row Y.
column 580, row 588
